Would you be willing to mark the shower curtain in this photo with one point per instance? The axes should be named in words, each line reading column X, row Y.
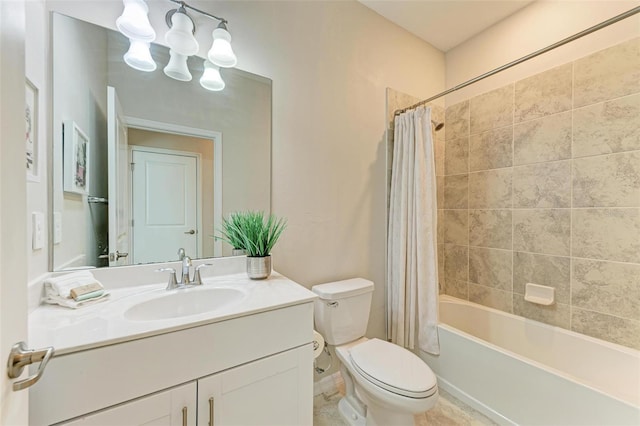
column 412, row 264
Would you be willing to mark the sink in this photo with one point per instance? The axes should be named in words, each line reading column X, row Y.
column 183, row 303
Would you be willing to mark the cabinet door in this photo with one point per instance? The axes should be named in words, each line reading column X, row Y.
column 173, row 407
column 277, row 390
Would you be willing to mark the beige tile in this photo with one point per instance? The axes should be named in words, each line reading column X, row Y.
column 606, row 327
column 491, row 297
column 457, row 121
column 542, row 185
column 607, row 127
column 397, row 100
column 437, row 113
column 608, row 287
column 440, row 226
column 456, row 227
column 491, row 268
column 542, row 231
column 607, row 180
column 490, row 228
column 558, row 314
column 456, row 192
column 456, row 263
column 544, row 139
column 551, row 271
column 439, row 155
column 543, row 94
column 459, row 289
column 440, row 191
column 607, row 74
column 606, row 234
column 490, row 189
column 491, row 150
column 456, row 157
column 491, row 110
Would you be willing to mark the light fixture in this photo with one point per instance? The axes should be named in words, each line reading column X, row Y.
column 177, row 67
column 134, row 22
column 139, row 57
column 180, row 36
column 211, row 78
column 221, row 52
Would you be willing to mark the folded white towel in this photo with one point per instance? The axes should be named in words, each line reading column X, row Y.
column 57, row 290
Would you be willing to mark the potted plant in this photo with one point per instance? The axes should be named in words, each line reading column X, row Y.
column 257, row 234
column 231, row 233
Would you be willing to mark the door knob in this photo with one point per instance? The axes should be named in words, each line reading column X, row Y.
column 190, row 232
column 20, row 357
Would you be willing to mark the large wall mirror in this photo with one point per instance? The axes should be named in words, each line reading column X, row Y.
column 143, row 164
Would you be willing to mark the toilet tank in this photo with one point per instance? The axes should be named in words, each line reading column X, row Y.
column 342, row 311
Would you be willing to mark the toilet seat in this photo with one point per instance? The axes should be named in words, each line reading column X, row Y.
column 393, row 368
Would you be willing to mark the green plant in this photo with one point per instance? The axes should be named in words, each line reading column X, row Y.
column 256, row 233
column 231, row 231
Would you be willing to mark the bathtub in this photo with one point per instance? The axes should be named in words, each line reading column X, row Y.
column 520, row 371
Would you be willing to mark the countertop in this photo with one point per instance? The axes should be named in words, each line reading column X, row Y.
column 104, row 323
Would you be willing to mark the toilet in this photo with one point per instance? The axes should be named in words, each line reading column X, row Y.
column 385, row 384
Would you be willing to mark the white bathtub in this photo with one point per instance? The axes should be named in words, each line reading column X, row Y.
column 519, row 371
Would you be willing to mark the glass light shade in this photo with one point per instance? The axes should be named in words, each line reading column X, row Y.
column 177, row 67
column 139, row 57
column 211, row 78
column 221, row 53
column 134, row 22
column 180, row 37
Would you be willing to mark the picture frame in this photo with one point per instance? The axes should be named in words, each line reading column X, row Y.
column 76, row 148
column 32, row 143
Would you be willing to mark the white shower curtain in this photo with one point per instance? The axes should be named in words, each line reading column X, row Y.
column 412, row 264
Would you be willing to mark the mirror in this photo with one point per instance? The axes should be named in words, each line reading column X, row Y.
column 155, row 163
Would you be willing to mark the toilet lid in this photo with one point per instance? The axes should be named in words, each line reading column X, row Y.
column 393, row 368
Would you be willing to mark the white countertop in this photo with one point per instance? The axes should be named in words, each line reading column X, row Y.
column 104, row 323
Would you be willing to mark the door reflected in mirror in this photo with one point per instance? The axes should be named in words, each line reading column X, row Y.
column 168, row 158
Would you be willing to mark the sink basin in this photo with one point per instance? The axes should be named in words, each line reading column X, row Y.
column 183, row 303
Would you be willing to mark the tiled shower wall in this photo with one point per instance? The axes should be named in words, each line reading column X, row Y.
column 542, row 185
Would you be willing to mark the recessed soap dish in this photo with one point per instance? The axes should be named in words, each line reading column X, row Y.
column 539, row 294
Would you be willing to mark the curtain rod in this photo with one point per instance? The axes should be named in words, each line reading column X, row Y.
column 576, row 36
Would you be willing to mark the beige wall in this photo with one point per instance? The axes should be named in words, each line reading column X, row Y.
column 538, row 25
column 204, row 147
column 542, row 185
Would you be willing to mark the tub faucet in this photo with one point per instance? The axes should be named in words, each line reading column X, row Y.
column 186, row 269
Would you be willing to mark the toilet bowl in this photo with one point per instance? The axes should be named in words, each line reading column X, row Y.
column 385, row 384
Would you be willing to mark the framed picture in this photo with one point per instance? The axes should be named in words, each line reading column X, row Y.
column 31, row 134
column 75, row 159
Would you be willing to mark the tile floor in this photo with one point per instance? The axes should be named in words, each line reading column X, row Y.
column 448, row 411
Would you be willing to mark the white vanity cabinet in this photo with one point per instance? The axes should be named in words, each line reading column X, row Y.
column 270, row 391
column 258, row 368
column 173, row 407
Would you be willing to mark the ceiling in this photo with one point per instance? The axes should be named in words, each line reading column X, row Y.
column 445, row 23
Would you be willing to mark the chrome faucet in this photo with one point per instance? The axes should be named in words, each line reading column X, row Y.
column 186, row 269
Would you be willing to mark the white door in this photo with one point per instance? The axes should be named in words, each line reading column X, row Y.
column 165, row 205
column 118, row 169
column 14, row 406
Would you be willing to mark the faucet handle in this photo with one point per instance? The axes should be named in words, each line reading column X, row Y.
column 173, row 282
column 197, row 279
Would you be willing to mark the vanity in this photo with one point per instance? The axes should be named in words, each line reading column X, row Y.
column 231, row 351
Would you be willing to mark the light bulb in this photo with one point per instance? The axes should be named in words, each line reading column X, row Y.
column 180, row 37
column 134, row 22
column 221, row 53
column 177, row 67
column 211, row 78
column 139, row 57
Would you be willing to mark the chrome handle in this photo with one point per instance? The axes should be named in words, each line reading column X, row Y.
column 20, row 356
column 190, row 232
column 173, row 281
column 211, row 411
column 197, row 278
column 184, row 416
column 117, row 255
column 103, row 256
